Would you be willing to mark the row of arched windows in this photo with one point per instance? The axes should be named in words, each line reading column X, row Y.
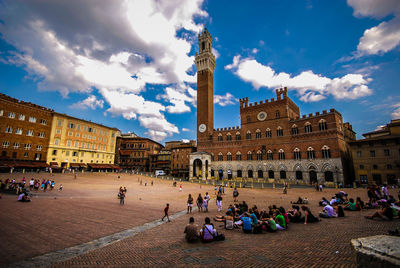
column 328, row 175
column 279, row 131
column 325, row 153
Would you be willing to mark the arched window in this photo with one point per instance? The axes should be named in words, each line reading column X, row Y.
column 258, row 134
column 270, row 155
column 277, row 114
column 238, row 156
column 260, row 174
column 271, row 174
column 229, row 156
column 281, row 154
column 228, row 137
column 299, row 175
column 328, row 176
column 219, row 137
column 297, row 154
column 238, row 137
column 259, row 155
column 250, row 173
column 239, row 173
column 310, row 153
column 249, row 156
column 268, row 133
column 220, row 157
column 279, row 132
column 282, row 174
column 326, row 152
column 248, row 135
column 248, row 119
column 322, row 125
column 295, row 130
column 308, row 127
column 212, row 157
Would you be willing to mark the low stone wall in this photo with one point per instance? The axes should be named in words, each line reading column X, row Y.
column 377, row 251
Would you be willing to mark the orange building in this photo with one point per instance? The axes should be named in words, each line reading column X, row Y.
column 24, row 134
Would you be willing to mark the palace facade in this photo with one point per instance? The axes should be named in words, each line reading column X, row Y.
column 273, row 142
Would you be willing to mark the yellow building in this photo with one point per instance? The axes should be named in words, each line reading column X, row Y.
column 77, row 143
column 376, row 158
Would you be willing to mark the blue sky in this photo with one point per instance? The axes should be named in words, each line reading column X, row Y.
column 129, row 64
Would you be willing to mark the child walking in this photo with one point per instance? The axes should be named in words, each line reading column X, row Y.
column 166, row 213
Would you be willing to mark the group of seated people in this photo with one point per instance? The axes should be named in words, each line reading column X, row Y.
column 207, row 233
column 254, row 220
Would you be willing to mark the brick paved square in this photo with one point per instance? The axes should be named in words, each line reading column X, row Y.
column 88, row 209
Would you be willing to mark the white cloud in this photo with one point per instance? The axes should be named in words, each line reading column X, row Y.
column 396, row 113
column 185, row 129
column 383, row 37
column 254, row 50
column 119, row 47
column 310, row 86
column 225, row 100
column 90, row 102
column 185, row 140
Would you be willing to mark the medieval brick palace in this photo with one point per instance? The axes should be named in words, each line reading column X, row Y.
column 274, row 141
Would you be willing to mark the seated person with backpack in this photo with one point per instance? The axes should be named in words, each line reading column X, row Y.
column 246, row 225
column 208, row 232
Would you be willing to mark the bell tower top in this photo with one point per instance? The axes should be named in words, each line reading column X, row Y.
column 205, row 59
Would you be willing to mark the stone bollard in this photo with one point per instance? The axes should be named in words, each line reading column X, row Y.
column 273, row 185
column 336, row 186
column 354, row 185
column 240, row 185
column 23, row 170
column 262, row 185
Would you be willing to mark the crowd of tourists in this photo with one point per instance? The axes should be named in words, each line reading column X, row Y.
column 255, row 220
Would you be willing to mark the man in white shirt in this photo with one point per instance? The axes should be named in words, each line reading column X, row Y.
column 328, row 212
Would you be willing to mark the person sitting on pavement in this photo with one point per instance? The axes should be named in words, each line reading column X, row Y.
column 294, row 214
column 323, row 202
column 359, row 204
column 191, row 231
column 328, row 212
column 23, row 198
column 280, row 221
column 339, row 211
column 208, row 232
column 308, row 216
column 386, row 213
column 246, row 223
column 351, row 205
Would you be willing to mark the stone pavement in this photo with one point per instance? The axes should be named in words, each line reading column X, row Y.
column 326, row 243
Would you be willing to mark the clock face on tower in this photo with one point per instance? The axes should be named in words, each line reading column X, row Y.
column 202, row 128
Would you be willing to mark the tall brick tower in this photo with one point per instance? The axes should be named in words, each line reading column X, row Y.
column 205, row 63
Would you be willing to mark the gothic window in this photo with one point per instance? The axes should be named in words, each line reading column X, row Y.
column 326, row 152
column 279, row 132
column 310, row 153
column 259, row 155
column 297, row 154
column 228, row 137
column 308, row 127
column 258, row 134
column 277, row 114
column 271, row 174
column 248, row 135
column 212, row 157
column 295, row 130
column 249, row 156
column 238, row 156
column 238, row 137
column 229, row 156
column 268, row 133
column 270, row 155
column 220, row 157
column 220, row 137
column 282, row 173
column 322, row 125
column 6, row 144
column 239, row 173
column 248, row 119
column 281, row 155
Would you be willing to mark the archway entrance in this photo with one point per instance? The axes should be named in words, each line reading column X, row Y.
column 250, row 173
column 260, row 174
column 313, row 177
column 328, row 176
column 197, row 167
column 299, row 175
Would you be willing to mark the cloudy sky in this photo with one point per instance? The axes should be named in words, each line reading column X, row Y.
column 130, row 64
